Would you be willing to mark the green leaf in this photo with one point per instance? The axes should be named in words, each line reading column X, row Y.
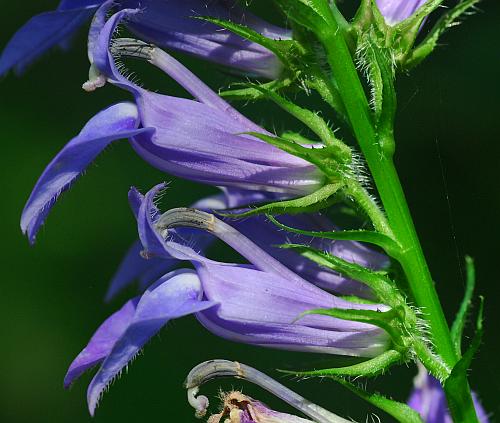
column 453, row 386
column 371, row 237
column 461, row 317
column 318, row 200
column 430, row 42
column 401, row 412
column 368, row 368
column 313, row 14
column 377, row 63
column 381, row 285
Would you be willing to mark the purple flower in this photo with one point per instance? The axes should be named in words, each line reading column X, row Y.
column 202, row 139
column 428, row 398
column 240, row 408
column 267, row 236
column 168, row 23
column 395, row 11
column 256, row 303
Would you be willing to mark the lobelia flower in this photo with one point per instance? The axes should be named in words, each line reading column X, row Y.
column 256, row 303
column 167, row 23
column 239, row 408
column 268, row 237
column 395, row 11
column 203, row 139
column 428, row 398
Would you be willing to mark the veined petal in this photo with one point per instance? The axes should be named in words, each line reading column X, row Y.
column 115, row 122
column 174, row 295
column 38, row 35
column 261, row 308
column 102, row 342
column 172, row 25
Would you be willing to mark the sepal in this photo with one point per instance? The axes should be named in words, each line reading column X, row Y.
column 369, row 368
column 400, row 411
column 380, row 240
column 461, row 317
column 392, row 321
column 427, row 46
column 318, row 200
column 458, row 376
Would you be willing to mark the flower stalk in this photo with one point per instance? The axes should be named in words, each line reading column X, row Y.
column 381, row 165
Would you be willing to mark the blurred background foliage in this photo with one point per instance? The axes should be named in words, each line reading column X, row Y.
column 51, row 295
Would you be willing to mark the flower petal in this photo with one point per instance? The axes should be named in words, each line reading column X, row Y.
column 115, row 122
column 174, row 295
column 101, row 343
column 134, row 266
column 38, row 35
column 260, row 308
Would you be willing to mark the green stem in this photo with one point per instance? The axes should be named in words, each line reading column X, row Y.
column 369, row 206
column 379, row 159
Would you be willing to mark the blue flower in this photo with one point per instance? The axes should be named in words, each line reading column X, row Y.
column 256, row 303
column 167, row 23
column 204, row 139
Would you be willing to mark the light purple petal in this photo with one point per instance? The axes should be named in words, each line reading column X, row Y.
column 268, row 236
column 134, row 266
column 174, row 295
column 102, row 342
column 261, row 308
column 395, row 11
column 171, row 24
column 38, row 35
column 428, row 398
column 115, row 122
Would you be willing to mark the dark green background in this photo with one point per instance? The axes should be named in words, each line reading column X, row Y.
column 51, row 294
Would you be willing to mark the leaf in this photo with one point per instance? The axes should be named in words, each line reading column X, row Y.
column 378, row 65
column 313, row 14
column 458, row 377
column 461, row 317
column 371, row 237
column 368, row 368
column 316, row 201
column 446, row 21
column 401, row 412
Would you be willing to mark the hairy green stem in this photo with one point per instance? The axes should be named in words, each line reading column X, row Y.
column 380, row 163
column 368, row 204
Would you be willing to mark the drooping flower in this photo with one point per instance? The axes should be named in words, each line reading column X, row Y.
column 395, row 11
column 167, row 23
column 428, row 398
column 268, row 237
column 256, row 303
column 240, row 408
column 204, row 139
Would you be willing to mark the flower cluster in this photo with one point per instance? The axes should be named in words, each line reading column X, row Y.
column 268, row 300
